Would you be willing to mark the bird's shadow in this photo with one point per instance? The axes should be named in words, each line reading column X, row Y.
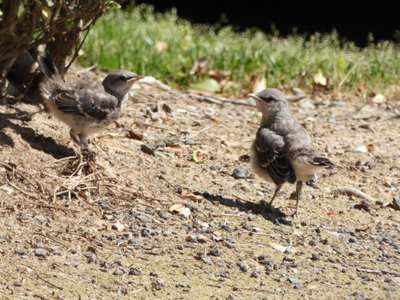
column 274, row 215
column 36, row 141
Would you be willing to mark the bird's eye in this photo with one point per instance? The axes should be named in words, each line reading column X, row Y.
column 269, row 99
column 122, row 77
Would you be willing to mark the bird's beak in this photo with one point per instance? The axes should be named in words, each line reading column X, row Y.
column 134, row 79
column 254, row 96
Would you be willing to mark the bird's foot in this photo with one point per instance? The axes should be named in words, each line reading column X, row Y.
column 88, row 155
column 88, row 161
column 294, row 213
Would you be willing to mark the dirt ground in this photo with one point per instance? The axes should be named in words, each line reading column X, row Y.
column 159, row 214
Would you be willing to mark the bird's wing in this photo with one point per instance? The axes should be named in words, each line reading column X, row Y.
column 84, row 102
column 272, row 157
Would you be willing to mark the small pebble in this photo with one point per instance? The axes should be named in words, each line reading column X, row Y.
column 40, row 252
column 215, row 252
column 252, row 218
column 119, row 272
column 243, row 267
column 313, row 242
column 205, row 259
column 202, row 239
column 156, row 284
column 135, row 272
column 254, row 274
column 191, row 238
column 306, row 104
column 390, row 288
column 353, row 239
column 314, row 257
column 164, row 215
column 142, row 217
column 247, row 226
column 241, row 171
column 21, row 252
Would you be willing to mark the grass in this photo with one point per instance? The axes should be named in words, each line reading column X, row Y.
column 165, row 46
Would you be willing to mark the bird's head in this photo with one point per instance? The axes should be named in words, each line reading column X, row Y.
column 270, row 101
column 118, row 83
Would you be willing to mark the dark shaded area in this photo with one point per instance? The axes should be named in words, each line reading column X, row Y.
column 36, row 141
column 274, row 215
column 352, row 23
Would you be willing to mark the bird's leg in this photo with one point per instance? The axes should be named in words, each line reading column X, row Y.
column 277, row 189
column 299, row 188
column 83, row 141
column 86, row 152
column 74, row 137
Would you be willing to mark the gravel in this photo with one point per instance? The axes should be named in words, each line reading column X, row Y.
column 40, row 252
column 241, row 171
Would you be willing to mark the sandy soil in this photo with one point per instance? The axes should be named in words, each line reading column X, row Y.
column 159, row 215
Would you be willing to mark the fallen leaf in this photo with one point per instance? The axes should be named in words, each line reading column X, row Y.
column 193, row 197
column 362, row 149
column 83, row 195
column 319, row 78
column 378, row 99
column 278, row 247
column 371, row 147
column 198, row 157
column 214, row 119
column 259, row 85
column 180, row 209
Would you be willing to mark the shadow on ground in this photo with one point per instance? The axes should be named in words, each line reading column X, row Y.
column 36, row 141
column 274, row 215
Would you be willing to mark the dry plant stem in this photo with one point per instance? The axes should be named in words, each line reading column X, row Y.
column 21, row 190
column 78, row 168
column 48, row 282
column 353, row 191
column 12, row 169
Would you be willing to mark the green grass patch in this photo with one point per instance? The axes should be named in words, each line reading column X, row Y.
column 166, row 47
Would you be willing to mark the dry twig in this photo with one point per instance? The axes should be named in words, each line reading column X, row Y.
column 348, row 190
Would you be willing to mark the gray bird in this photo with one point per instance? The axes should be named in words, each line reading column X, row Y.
column 84, row 106
column 283, row 150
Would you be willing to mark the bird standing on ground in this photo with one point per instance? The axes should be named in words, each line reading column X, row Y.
column 83, row 106
column 283, row 150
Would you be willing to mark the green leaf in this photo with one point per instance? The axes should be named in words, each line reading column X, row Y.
column 341, row 65
column 208, row 85
column 112, row 4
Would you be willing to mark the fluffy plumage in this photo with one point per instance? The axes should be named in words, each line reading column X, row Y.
column 85, row 107
column 283, row 150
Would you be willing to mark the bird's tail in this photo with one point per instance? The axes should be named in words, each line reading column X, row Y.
column 47, row 66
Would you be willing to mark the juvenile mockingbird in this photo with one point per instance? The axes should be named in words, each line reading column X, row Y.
column 85, row 106
column 283, row 150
